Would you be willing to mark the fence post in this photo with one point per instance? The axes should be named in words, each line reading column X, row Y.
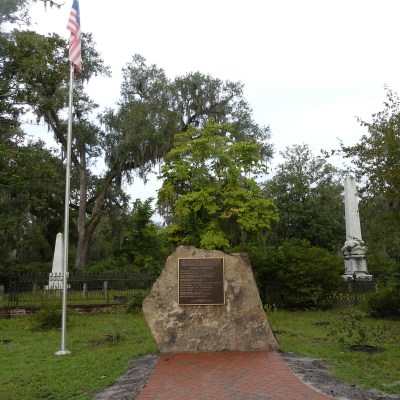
column 1, row 292
column 85, row 291
column 105, row 290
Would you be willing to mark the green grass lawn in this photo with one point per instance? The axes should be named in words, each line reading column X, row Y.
column 30, row 370
column 303, row 333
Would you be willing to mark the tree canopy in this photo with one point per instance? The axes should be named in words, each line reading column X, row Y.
column 153, row 108
column 208, row 190
column 308, row 194
column 30, row 200
column 132, row 138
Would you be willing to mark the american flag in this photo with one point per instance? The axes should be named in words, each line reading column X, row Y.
column 74, row 26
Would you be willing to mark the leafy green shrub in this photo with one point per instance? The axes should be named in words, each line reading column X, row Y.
column 297, row 275
column 110, row 264
column 135, row 300
column 385, row 303
column 48, row 316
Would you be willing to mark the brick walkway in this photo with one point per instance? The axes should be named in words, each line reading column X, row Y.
column 229, row 375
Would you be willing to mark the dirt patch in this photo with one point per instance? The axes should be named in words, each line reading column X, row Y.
column 129, row 385
column 312, row 372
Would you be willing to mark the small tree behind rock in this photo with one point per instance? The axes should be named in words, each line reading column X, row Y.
column 208, row 190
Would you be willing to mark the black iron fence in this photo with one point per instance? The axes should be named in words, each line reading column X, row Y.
column 24, row 289
column 353, row 291
column 349, row 292
column 81, row 287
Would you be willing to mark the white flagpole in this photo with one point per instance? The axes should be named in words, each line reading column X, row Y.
column 63, row 350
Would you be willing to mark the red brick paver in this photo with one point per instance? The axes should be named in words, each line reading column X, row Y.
column 257, row 375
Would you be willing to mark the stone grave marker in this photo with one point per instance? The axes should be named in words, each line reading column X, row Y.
column 55, row 276
column 354, row 251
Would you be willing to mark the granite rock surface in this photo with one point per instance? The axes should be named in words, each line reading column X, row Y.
column 238, row 325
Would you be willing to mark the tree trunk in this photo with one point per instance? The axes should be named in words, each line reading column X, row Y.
column 82, row 251
column 87, row 226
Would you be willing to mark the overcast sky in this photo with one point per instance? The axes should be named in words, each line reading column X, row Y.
column 308, row 67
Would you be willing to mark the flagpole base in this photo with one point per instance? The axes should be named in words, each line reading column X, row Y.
column 62, row 353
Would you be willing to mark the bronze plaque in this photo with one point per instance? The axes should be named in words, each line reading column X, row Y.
column 201, row 281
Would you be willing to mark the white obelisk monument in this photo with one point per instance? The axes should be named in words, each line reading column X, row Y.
column 55, row 276
column 353, row 250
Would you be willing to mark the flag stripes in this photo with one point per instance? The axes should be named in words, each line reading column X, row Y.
column 74, row 26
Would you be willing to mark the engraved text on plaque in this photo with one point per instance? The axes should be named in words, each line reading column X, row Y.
column 201, row 281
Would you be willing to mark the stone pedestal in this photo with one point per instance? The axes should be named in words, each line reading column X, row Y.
column 354, row 253
column 240, row 324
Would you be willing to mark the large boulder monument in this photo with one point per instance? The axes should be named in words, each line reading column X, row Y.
column 207, row 301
